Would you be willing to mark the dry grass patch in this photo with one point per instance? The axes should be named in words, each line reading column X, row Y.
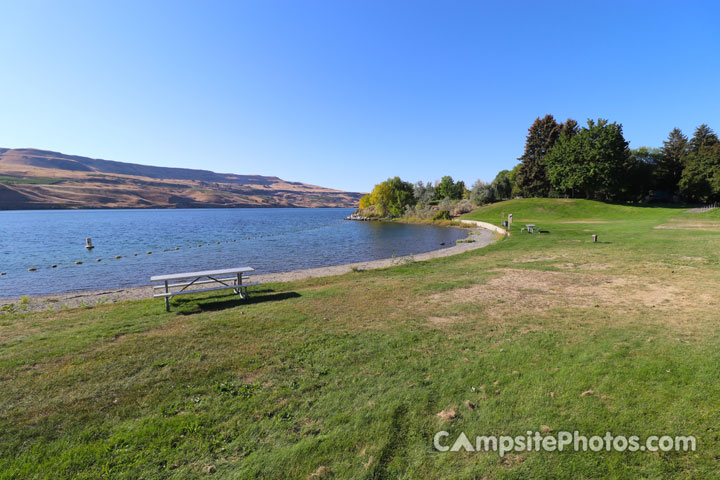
column 516, row 291
column 688, row 224
column 583, row 266
column 443, row 321
column 691, row 259
column 541, row 258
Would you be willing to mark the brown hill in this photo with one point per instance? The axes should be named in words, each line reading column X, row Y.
column 31, row 178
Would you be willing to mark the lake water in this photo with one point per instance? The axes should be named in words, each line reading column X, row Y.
column 270, row 240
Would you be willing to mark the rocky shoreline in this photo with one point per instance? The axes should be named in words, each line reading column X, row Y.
column 358, row 218
column 477, row 238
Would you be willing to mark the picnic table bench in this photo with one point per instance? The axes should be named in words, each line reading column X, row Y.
column 228, row 278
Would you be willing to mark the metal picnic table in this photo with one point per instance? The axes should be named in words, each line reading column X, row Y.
column 225, row 278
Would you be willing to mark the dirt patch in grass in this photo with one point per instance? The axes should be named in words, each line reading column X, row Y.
column 685, row 224
column 583, row 266
column 692, row 259
column 542, row 258
column 516, row 291
column 442, row 321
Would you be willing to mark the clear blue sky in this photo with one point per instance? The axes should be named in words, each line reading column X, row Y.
column 345, row 94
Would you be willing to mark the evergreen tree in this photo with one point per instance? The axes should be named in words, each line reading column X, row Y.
column 532, row 178
column 569, row 128
column 703, row 137
column 700, row 181
column 671, row 161
column 460, row 190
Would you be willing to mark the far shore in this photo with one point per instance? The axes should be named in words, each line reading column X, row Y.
column 481, row 236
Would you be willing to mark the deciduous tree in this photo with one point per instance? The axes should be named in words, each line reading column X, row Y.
column 365, row 201
column 590, row 164
column 502, row 185
column 447, row 188
column 391, row 197
column 482, row 193
column 639, row 176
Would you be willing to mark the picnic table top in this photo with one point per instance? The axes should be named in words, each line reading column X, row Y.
column 203, row 273
column 529, row 224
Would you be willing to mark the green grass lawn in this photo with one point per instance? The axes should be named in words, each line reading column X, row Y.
column 343, row 377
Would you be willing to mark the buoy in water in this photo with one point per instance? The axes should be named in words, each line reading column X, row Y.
column 149, row 253
column 3, row 273
column 53, row 266
column 99, row 260
column 32, row 269
column 88, row 243
column 118, row 256
column 78, row 262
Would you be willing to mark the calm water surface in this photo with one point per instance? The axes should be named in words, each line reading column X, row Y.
column 270, row 240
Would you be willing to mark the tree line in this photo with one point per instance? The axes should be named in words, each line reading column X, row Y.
column 595, row 162
column 394, row 197
column 564, row 159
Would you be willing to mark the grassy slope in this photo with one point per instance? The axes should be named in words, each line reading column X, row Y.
column 28, row 180
column 349, row 372
column 555, row 209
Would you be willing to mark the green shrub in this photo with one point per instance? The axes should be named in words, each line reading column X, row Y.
column 442, row 215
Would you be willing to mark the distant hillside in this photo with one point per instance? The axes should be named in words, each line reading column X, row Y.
column 31, row 178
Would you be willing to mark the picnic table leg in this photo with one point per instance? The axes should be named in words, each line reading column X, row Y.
column 167, row 299
column 239, row 285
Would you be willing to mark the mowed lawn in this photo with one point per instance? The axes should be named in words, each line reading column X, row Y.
column 343, row 377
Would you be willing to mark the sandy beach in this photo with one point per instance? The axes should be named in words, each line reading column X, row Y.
column 480, row 237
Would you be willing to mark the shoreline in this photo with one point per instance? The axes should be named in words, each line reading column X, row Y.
column 481, row 235
column 160, row 207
